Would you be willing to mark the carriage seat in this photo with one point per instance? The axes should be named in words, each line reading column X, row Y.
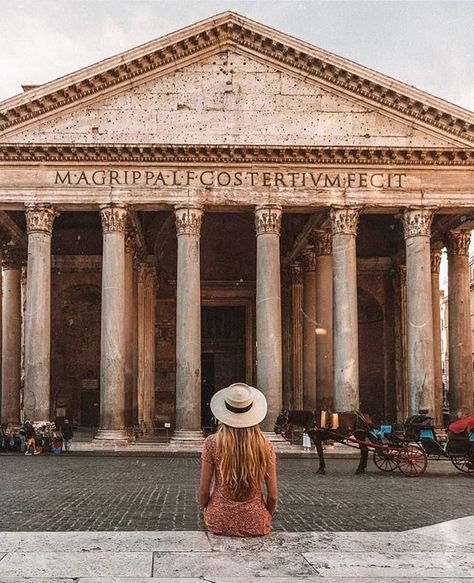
column 465, row 425
column 329, row 420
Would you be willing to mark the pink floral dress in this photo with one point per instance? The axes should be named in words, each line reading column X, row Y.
column 229, row 517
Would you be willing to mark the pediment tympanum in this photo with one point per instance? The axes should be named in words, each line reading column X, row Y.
column 228, row 80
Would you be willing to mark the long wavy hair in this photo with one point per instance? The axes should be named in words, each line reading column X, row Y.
column 243, row 454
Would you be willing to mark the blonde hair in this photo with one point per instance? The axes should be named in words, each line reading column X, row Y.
column 243, row 453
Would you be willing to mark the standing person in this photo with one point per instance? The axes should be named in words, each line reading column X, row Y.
column 30, row 435
column 241, row 461
column 68, row 433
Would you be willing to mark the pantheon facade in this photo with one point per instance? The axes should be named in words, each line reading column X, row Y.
column 228, row 203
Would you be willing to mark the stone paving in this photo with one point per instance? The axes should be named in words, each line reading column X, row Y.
column 441, row 553
column 114, row 493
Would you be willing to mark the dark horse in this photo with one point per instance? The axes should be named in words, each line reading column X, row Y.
column 351, row 423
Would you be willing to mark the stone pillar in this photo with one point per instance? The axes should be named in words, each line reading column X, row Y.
column 112, row 342
column 146, row 345
column 297, row 334
column 11, row 334
column 324, row 318
column 287, row 392
column 188, row 325
column 435, row 298
column 344, row 222
column 460, row 393
column 268, row 310
column 129, row 323
column 39, row 225
column 417, row 227
column 310, row 326
column 135, row 418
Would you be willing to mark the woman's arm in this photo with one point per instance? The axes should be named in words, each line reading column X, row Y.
column 271, row 484
column 207, row 471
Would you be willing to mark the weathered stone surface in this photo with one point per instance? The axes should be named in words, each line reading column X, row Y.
column 227, row 98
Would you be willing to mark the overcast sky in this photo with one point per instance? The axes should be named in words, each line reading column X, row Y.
column 429, row 44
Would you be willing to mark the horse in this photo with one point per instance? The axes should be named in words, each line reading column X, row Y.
column 351, row 423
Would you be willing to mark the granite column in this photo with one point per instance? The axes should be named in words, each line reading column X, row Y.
column 435, row 298
column 11, row 334
column 39, row 225
column 309, row 329
column 460, row 393
column 268, row 310
column 188, row 325
column 112, row 361
column 420, row 353
column 344, row 222
column 146, row 345
column 297, row 334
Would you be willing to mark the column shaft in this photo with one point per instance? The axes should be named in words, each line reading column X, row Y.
column 324, row 318
column 297, row 334
column 346, row 344
column 129, row 323
column 11, row 336
column 146, row 346
column 460, row 393
column 435, row 296
column 188, row 325
column 112, row 363
column 268, row 310
column 36, row 402
column 309, row 329
column 420, row 354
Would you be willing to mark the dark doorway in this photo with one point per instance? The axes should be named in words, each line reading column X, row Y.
column 90, row 408
column 223, row 352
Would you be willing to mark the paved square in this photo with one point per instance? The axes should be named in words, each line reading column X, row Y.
column 118, row 493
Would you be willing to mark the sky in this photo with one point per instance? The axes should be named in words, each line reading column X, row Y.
column 428, row 44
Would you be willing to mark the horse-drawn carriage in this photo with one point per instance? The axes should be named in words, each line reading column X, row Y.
column 407, row 450
column 419, row 430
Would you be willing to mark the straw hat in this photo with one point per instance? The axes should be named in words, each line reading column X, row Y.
column 239, row 405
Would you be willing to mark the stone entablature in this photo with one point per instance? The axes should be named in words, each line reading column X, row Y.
column 251, row 41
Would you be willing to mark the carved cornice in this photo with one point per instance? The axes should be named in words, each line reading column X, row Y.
column 344, row 220
column 13, row 257
column 40, row 218
column 114, row 218
column 417, row 222
column 296, row 273
column 268, row 219
column 435, row 260
column 309, row 258
column 228, row 32
column 236, row 154
column 322, row 241
column 457, row 242
column 188, row 220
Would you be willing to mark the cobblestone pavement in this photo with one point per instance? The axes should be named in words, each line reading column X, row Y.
column 49, row 493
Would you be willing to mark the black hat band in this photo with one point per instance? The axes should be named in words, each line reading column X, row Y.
column 238, row 409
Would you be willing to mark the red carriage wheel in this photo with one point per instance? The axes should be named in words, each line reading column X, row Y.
column 412, row 460
column 386, row 459
column 461, row 463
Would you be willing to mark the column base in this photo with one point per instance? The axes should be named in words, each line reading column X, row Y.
column 111, row 435
column 279, row 443
column 185, row 437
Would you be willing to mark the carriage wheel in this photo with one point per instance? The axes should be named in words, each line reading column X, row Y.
column 412, row 460
column 386, row 459
column 460, row 463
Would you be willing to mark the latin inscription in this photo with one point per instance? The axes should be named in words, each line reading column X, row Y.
column 218, row 178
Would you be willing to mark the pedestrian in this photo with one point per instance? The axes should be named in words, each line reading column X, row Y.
column 30, row 434
column 68, row 433
column 242, row 463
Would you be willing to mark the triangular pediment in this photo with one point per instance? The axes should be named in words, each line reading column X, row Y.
column 229, row 80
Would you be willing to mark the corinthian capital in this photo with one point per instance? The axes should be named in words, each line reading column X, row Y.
column 188, row 220
column 435, row 260
column 296, row 273
column 417, row 222
column 322, row 241
column 268, row 219
column 458, row 242
column 344, row 220
column 40, row 218
column 12, row 257
column 309, row 259
column 130, row 240
column 114, row 218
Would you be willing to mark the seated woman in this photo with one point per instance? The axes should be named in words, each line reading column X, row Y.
column 242, row 462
